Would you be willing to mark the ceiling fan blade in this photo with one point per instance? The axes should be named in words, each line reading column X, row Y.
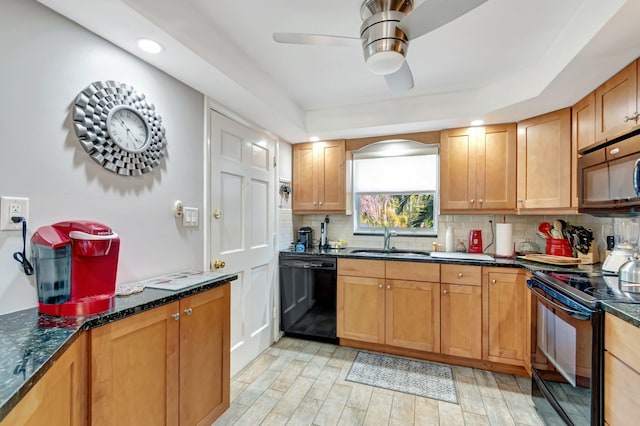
column 316, row 39
column 401, row 80
column 433, row 14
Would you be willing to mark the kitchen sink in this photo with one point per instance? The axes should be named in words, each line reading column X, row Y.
column 391, row 253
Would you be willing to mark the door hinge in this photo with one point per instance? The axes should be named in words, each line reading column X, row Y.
column 274, row 162
column 275, row 313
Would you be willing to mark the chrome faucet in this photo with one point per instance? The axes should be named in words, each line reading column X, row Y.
column 387, row 236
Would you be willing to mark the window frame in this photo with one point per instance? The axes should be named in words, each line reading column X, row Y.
column 378, row 150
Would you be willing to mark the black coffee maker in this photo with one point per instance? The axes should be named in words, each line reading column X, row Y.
column 305, row 236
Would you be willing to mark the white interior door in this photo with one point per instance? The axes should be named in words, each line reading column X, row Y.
column 242, row 191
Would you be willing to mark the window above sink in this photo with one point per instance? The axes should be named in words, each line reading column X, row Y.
column 395, row 185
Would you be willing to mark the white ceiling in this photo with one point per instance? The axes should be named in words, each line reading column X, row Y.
column 502, row 62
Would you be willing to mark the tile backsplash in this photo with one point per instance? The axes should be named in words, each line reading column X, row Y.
column 524, row 227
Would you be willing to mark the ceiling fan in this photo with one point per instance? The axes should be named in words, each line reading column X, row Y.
column 387, row 28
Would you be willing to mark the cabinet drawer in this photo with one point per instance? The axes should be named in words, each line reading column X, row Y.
column 413, row 271
column 621, row 387
column 623, row 340
column 461, row 274
column 361, row 268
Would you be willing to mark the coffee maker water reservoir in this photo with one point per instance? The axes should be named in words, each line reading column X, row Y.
column 76, row 264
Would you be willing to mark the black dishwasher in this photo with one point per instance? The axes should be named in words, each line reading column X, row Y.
column 308, row 297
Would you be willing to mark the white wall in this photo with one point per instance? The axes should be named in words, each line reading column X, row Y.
column 45, row 62
column 285, row 212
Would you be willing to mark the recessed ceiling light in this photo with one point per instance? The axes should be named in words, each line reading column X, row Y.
column 149, row 46
column 314, row 139
column 477, row 122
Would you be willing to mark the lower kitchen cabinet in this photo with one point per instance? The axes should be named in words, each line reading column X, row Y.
column 168, row 365
column 60, row 396
column 505, row 328
column 461, row 310
column 413, row 315
column 621, row 371
column 360, row 300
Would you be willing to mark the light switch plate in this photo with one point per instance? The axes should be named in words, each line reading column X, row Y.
column 190, row 217
column 13, row 206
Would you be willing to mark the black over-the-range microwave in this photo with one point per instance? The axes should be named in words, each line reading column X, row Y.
column 609, row 178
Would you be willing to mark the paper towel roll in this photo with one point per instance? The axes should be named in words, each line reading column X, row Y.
column 504, row 240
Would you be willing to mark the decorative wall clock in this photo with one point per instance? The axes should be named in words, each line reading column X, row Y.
column 118, row 128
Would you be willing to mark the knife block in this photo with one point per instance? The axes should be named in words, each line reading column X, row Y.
column 591, row 257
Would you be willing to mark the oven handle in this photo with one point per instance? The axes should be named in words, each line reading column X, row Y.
column 575, row 314
column 636, row 177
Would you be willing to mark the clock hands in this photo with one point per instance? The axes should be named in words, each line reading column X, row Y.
column 129, row 132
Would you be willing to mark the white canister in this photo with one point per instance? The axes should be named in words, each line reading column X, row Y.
column 448, row 241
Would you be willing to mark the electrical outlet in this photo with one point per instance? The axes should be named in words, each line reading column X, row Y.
column 13, row 207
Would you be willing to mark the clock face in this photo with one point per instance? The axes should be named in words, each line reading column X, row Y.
column 119, row 128
column 128, row 129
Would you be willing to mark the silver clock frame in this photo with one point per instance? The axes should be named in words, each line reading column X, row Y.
column 91, row 112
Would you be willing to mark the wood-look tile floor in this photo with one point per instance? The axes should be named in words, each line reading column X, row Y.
column 298, row 382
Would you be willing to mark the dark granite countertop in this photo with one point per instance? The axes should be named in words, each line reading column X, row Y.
column 30, row 343
column 496, row 262
column 628, row 312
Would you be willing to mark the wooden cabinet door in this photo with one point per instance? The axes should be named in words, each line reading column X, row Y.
column 360, row 308
column 544, row 161
column 615, row 100
column 504, row 317
column 496, row 167
column 413, row 315
column 461, row 320
column 60, row 396
column 305, row 178
column 204, row 356
column 457, row 170
column 621, row 388
column 583, row 122
column 134, row 369
column 331, row 176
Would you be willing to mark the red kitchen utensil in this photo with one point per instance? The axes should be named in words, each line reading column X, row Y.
column 545, row 229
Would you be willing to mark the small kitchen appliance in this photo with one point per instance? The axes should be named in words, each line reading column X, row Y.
column 626, row 233
column 475, row 241
column 305, row 236
column 76, row 264
column 324, row 229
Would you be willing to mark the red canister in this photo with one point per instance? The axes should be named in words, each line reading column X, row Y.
column 559, row 247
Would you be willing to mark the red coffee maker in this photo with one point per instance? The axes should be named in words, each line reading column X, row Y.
column 76, row 264
column 475, row 241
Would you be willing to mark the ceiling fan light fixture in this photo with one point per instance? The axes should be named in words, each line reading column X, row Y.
column 385, row 62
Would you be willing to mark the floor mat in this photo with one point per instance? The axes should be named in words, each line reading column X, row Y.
column 421, row 378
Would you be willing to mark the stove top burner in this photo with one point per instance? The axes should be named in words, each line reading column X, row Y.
column 595, row 286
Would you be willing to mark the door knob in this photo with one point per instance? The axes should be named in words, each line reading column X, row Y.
column 217, row 264
column 188, row 311
column 388, row 287
column 379, row 285
column 176, row 316
column 217, row 213
column 493, row 281
column 460, row 275
column 445, row 292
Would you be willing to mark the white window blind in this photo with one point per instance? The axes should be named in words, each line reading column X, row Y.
column 405, row 174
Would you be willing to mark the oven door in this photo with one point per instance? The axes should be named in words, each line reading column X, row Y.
column 566, row 358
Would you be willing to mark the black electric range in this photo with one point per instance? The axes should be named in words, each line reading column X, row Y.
column 587, row 288
column 567, row 343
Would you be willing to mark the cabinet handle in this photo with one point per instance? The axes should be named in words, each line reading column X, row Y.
column 379, row 285
column 188, row 311
column 480, row 201
column 176, row 316
column 614, row 151
column 520, row 200
column 445, row 292
column 388, row 287
column 460, row 275
column 472, row 201
column 493, row 281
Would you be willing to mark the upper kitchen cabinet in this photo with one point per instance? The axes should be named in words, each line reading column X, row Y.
column 617, row 104
column 478, row 169
column 319, row 177
column 583, row 123
column 545, row 163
